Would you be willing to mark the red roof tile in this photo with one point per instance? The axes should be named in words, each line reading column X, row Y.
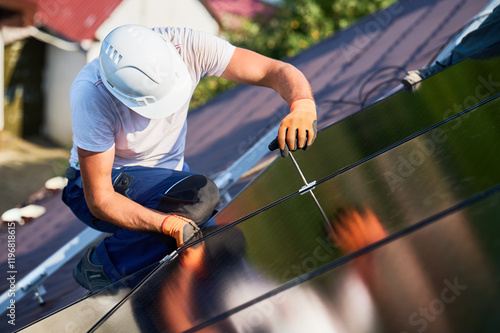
column 245, row 8
column 75, row 20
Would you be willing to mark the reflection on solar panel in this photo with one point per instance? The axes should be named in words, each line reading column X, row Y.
column 412, row 189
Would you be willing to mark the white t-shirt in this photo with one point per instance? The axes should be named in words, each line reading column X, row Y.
column 100, row 121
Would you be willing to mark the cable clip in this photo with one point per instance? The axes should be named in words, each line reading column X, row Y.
column 170, row 256
column 307, row 188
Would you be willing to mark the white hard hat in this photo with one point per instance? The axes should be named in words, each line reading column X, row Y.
column 144, row 71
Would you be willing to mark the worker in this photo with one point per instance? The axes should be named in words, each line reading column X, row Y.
column 127, row 175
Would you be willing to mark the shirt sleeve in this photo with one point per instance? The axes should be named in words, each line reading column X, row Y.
column 203, row 53
column 214, row 53
column 91, row 123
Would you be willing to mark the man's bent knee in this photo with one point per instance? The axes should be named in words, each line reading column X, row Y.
column 194, row 197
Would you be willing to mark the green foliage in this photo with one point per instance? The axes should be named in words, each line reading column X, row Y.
column 297, row 25
column 208, row 88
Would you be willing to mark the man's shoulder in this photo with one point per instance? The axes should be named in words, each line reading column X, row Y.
column 88, row 80
column 180, row 36
column 89, row 73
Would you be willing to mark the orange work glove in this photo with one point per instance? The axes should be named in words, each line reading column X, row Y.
column 182, row 229
column 298, row 129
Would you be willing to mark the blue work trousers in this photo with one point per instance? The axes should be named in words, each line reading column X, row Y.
column 127, row 251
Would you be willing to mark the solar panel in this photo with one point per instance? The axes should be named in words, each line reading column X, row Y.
column 81, row 315
column 443, row 277
column 411, row 187
column 285, row 243
column 371, row 131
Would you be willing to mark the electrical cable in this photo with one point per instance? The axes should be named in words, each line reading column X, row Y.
column 373, row 75
column 363, row 98
column 377, row 87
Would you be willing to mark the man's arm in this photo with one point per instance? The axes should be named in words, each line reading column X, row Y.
column 105, row 203
column 252, row 68
column 110, row 206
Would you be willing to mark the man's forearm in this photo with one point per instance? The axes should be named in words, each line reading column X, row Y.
column 290, row 83
column 249, row 67
column 123, row 212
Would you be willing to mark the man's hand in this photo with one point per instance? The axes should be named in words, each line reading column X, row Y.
column 298, row 129
column 182, row 229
